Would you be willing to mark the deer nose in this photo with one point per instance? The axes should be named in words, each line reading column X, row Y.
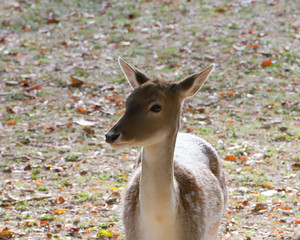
column 110, row 137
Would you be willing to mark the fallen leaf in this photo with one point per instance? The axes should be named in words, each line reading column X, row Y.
column 269, row 193
column 220, row 10
column 131, row 16
column 36, row 87
column 9, row 110
column 61, row 211
column 260, row 206
column 103, row 232
column 44, row 223
column 268, row 185
column 253, row 46
column 277, row 203
column 94, row 212
column 6, row 234
column 296, row 165
column 230, row 158
column 89, row 130
column 52, row 20
column 266, row 63
column 238, row 47
column 209, row 57
column 27, row 167
column 2, row 40
column 49, row 128
column 114, row 188
column 83, row 122
column 81, row 110
column 125, row 43
column 13, row 53
column 11, row 122
column 75, row 82
column 24, row 83
column 61, row 199
column 11, row 83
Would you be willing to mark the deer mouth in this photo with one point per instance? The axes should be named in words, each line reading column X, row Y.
column 117, row 141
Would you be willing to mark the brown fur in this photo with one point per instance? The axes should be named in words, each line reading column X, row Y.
column 179, row 190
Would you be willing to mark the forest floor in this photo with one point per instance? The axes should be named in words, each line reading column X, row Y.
column 61, row 89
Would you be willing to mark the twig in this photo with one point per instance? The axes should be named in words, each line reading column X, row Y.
column 6, row 203
column 6, row 93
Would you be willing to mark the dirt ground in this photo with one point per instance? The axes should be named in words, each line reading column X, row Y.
column 61, row 89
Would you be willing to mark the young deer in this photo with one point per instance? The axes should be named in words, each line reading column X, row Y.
column 179, row 191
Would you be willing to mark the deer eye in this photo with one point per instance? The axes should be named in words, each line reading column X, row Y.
column 156, row 108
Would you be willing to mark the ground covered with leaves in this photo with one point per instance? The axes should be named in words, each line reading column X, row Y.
column 61, row 89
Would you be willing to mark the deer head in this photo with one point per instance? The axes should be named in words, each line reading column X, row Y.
column 153, row 108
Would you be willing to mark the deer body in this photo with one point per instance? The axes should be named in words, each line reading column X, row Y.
column 179, row 191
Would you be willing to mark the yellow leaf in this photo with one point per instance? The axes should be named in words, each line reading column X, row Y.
column 60, row 211
column 92, row 228
column 104, row 233
column 114, row 188
column 268, row 185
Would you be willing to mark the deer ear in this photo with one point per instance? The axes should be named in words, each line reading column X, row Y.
column 134, row 76
column 191, row 84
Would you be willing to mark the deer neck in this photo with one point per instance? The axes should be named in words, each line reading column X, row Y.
column 158, row 189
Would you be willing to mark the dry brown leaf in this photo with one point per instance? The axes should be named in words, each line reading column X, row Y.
column 75, row 82
column 266, row 63
column 61, row 211
column 230, row 158
column 6, row 234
